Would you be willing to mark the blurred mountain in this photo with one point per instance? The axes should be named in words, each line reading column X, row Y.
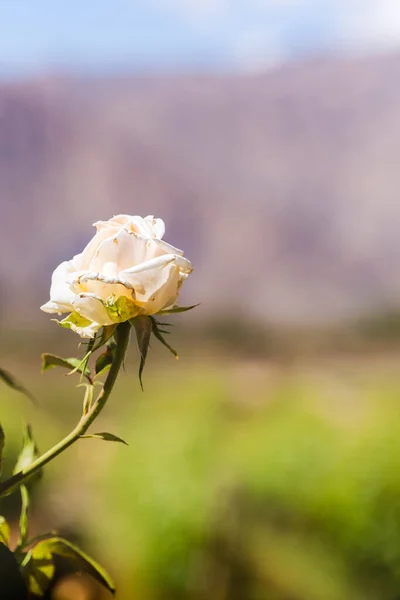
column 283, row 187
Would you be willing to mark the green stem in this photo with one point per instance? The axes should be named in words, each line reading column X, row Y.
column 122, row 338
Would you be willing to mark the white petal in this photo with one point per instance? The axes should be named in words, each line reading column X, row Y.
column 117, row 222
column 156, row 282
column 52, row 307
column 160, row 261
column 124, row 250
column 157, row 226
column 86, row 332
column 132, row 224
column 148, row 227
column 92, row 308
column 82, row 261
column 61, row 296
column 102, row 286
column 162, row 247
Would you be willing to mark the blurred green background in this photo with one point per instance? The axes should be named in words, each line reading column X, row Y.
column 265, row 464
column 250, row 473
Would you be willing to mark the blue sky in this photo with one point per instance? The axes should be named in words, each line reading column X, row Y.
column 104, row 35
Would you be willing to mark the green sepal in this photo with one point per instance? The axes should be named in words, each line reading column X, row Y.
column 50, row 361
column 105, row 360
column 108, row 437
column 9, row 380
column 106, row 334
column 176, row 309
column 157, row 332
column 143, row 329
column 42, row 557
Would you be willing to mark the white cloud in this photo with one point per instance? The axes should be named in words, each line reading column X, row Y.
column 368, row 24
column 346, row 25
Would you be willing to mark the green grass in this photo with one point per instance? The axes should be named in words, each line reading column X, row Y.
column 242, row 481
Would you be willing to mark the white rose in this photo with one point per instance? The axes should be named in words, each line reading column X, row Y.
column 126, row 270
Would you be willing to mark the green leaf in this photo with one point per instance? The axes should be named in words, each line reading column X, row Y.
column 12, row 585
column 51, row 360
column 2, row 439
column 177, row 309
column 28, row 453
column 158, row 334
column 26, row 457
column 38, row 569
column 24, row 519
column 9, row 380
column 143, row 328
column 108, row 437
column 78, row 559
column 4, row 531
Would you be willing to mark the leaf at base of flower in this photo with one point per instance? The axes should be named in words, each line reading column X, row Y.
column 105, row 360
column 176, row 309
column 143, row 329
column 106, row 335
column 157, row 332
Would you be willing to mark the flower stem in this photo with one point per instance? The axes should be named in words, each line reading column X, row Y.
column 122, row 334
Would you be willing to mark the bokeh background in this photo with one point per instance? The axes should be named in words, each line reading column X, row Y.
column 265, row 464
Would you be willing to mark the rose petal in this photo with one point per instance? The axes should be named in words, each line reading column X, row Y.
column 61, row 296
column 156, row 282
column 127, row 265
column 123, row 249
column 149, row 226
column 102, row 286
column 156, row 226
column 92, row 308
column 161, row 261
column 162, row 247
column 82, row 261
